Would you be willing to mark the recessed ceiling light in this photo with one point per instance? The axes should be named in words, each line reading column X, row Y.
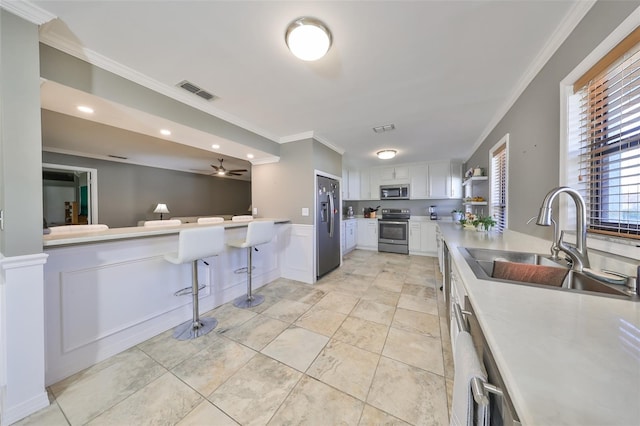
column 85, row 109
column 165, row 132
column 386, row 154
column 249, row 155
column 308, row 38
column 215, row 146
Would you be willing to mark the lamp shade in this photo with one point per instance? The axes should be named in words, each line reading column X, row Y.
column 161, row 208
column 308, row 39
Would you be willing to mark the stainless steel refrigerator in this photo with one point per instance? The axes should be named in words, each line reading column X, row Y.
column 327, row 225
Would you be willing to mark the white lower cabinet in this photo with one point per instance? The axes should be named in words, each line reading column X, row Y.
column 349, row 235
column 367, row 232
column 422, row 238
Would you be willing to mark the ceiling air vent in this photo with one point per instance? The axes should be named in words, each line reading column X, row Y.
column 190, row 87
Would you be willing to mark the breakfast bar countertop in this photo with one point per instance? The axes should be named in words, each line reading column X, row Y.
column 567, row 358
column 111, row 234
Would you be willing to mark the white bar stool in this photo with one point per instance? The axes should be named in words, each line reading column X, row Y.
column 257, row 233
column 194, row 244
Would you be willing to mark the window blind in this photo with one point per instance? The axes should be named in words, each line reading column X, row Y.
column 609, row 156
column 499, row 187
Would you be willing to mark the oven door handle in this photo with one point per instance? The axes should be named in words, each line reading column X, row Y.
column 389, row 222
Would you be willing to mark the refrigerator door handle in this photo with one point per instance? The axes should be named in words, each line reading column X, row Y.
column 331, row 214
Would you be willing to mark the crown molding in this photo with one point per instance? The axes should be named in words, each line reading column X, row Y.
column 569, row 23
column 266, row 160
column 312, row 135
column 74, row 49
column 27, row 11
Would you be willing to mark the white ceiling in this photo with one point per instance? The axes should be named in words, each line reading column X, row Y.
column 442, row 71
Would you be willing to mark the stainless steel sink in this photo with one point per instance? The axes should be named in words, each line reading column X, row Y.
column 481, row 263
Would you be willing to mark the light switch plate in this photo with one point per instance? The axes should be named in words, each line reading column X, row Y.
column 255, row 210
column 305, row 211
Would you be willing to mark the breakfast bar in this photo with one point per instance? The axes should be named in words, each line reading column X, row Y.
column 109, row 290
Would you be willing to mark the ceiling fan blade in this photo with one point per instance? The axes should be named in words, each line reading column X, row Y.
column 237, row 171
column 233, row 174
column 214, row 167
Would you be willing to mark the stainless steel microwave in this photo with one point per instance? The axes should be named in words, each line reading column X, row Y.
column 394, row 192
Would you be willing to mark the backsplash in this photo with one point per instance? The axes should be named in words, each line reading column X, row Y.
column 417, row 207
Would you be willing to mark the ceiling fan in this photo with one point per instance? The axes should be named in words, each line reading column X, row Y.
column 221, row 171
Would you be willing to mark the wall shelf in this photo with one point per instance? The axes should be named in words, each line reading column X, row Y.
column 474, row 179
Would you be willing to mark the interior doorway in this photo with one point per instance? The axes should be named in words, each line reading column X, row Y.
column 69, row 195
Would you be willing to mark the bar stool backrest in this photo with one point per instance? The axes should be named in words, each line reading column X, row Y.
column 259, row 233
column 170, row 222
column 242, row 218
column 77, row 228
column 198, row 243
column 205, row 220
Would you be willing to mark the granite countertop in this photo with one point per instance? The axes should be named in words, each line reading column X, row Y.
column 136, row 232
column 567, row 358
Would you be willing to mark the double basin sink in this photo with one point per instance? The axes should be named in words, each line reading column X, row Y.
column 481, row 262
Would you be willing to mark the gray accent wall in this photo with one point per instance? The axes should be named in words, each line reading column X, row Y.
column 283, row 189
column 128, row 193
column 533, row 122
column 20, row 161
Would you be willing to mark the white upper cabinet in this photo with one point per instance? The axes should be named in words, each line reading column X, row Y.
column 437, row 180
column 397, row 174
column 353, row 187
column 440, row 180
column 419, row 184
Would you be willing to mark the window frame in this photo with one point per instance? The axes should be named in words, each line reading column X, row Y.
column 497, row 148
column 626, row 247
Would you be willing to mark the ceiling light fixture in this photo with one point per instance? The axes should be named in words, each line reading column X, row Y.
column 85, row 109
column 249, row 155
column 386, row 154
column 215, row 146
column 308, row 38
column 165, row 132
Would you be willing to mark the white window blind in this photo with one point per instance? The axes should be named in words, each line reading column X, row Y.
column 609, row 163
column 499, row 186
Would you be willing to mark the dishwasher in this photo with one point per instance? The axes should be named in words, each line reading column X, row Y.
column 492, row 392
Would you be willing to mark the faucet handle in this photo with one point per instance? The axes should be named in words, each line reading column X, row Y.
column 630, row 282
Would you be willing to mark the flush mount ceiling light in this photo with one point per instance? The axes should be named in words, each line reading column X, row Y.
column 386, row 154
column 308, row 38
column 85, row 109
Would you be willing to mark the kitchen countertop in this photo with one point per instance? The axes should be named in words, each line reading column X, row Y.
column 111, row 234
column 567, row 358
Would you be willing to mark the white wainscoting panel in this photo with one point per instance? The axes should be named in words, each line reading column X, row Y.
column 298, row 262
column 22, row 371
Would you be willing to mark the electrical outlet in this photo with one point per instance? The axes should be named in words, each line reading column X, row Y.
column 305, row 211
column 255, row 210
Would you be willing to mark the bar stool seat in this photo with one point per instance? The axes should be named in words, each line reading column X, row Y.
column 208, row 220
column 195, row 244
column 257, row 233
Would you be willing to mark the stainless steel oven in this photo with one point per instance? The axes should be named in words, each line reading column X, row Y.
column 393, row 231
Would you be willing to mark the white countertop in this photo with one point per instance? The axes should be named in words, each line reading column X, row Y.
column 567, row 358
column 111, row 234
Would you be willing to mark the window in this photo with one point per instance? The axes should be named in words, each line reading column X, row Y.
column 608, row 106
column 499, row 173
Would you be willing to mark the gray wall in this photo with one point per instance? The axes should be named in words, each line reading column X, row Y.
column 417, row 207
column 533, row 122
column 20, row 163
column 282, row 189
column 128, row 193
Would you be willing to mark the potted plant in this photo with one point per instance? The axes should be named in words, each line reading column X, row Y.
column 485, row 223
column 456, row 215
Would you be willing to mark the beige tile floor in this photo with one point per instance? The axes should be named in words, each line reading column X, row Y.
column 366, row 345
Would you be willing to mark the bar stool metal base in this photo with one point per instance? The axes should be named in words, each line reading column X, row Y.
column 248, row 302
column 192, row 330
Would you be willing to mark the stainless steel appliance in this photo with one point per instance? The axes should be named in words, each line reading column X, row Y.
column 394, row 192
column 327, row 225
column 432, row 213
column 393, row 231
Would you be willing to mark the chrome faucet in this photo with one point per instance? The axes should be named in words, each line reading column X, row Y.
column 577, row 254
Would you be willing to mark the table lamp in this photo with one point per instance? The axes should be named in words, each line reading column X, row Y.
column 161, row 208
